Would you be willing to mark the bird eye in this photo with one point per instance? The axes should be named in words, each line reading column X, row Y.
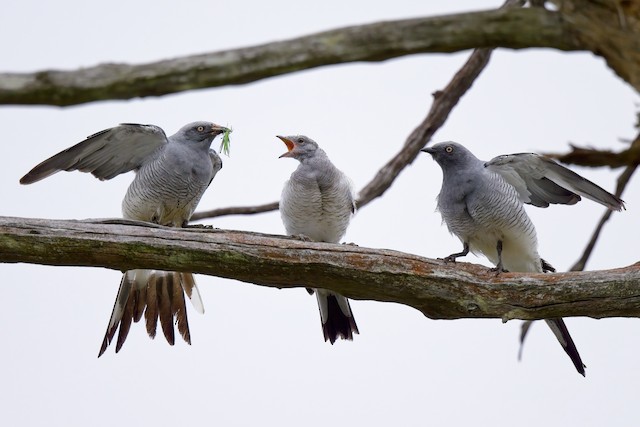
column 448, row 149
column 300, row 141
column 200, row 128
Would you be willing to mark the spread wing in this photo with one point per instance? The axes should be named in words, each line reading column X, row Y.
column 105, row 154
column 541, row 181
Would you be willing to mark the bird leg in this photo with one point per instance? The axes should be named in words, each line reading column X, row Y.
column 546, row 267
column 452, row 257
column 499, row 268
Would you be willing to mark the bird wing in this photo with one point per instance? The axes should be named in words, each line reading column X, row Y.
column 540, row 181
column 105, row 154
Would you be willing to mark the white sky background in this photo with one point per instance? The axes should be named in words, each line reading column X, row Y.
column 258, row 356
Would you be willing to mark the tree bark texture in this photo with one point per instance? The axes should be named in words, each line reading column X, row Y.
column 610, row 29
column 439, row 290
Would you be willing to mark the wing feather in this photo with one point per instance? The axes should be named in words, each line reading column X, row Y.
column 104, row 154
column 541, row 181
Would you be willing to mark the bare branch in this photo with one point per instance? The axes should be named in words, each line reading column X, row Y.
column 440, row 291
column 592, row 157
column 510, row 28
column 236, row 210
column 442, row 105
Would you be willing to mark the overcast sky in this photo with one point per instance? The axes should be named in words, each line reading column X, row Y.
column 258, row 355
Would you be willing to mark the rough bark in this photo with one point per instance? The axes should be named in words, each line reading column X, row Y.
column 509, row 28
column 439, row 290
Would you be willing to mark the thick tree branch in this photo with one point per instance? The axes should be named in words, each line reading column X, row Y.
column 510, row 28
column 440, row 291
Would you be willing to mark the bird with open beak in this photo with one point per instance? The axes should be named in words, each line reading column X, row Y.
column 317, row 203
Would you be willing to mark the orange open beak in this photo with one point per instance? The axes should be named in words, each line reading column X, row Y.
column 290, row 146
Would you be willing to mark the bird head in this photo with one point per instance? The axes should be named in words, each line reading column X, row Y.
column 299, row 146
column 202, row 131
column 449, row 154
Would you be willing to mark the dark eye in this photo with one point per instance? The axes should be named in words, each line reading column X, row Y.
column 448, row 149
column 300, row 141
column 200, row 128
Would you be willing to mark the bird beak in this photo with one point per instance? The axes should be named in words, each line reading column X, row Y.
column 217, row 130
column 428, row 150
column 290, row 146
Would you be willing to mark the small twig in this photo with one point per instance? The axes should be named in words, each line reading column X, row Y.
column 235, row 210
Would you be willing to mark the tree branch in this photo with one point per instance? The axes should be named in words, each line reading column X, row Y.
column 439, row 290
column 236, row 210
column 509, row 28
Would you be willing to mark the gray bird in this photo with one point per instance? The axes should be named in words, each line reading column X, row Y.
column 317, row 203
column 482, row 203
column 171, row 176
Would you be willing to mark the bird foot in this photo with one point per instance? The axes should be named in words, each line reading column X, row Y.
column 448, row 259
column 349, row 244
column 497, row 270
column 200, row 226
column 302, row 237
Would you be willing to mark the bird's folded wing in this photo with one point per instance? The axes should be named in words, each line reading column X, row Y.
column 541, row 181
column 104, row 154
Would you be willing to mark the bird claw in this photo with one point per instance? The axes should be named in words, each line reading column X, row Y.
column 497, row 270
column 200, row 226
column 448, row 259
column 349, row 244
column 302, row 237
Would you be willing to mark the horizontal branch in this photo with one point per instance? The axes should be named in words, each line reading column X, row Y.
column 592, row 157
column 440, row 291
column 510, row 28
column 236, row 210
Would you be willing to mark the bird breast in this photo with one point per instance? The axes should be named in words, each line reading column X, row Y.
column 317, row 206
column 487, row 210
column 168, row 189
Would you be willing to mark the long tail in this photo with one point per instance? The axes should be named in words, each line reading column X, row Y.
column 561, row 332
column 157, row 294
column 336, row 316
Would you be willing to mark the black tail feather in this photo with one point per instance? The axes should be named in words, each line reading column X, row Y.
column 559, row 327
column 338, row 324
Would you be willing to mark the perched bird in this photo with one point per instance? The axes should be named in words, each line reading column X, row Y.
column 317, row 203
column 171, row 176
column 482, row 203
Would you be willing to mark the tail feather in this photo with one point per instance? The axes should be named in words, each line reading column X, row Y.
column 188, row 283
column 140, row 303
column 179, row 308
column 559, row 329
column 151, row 312
column 336, row 316
column 118, row 308
column 164, row 285
column 127, row 317
column 156, row 295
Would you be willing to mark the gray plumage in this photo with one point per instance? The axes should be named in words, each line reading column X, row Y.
column 171, row 176
column 483, row 205
column 318, row 202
